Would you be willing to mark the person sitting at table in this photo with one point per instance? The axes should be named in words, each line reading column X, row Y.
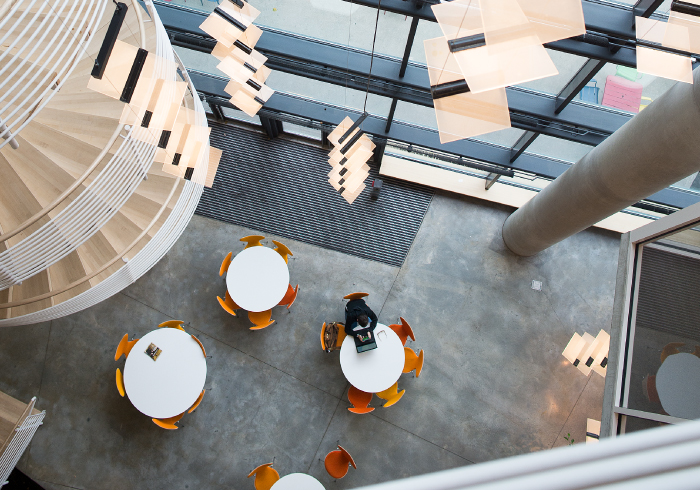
column 357, row 318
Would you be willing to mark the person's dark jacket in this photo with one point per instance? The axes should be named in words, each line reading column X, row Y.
column 354, row 309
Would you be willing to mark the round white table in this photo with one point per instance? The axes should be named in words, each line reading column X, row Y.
column 678, row 385
column 171, row 384
column 374, row 370
column 297, row 481
column 257, row 279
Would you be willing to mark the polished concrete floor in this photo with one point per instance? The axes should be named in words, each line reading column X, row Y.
column 494, row 383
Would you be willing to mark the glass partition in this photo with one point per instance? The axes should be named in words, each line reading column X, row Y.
column 660, row 361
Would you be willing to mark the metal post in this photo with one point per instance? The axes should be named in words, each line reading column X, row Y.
column 390, row 118
column 521, row 145
column 491, row 179
column 576, row 84
column 7, row 134
column 409, row 46
column 379, row 152
column 644, row 8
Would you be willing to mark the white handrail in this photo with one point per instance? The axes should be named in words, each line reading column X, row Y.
column 636, row 461
column 56, row 61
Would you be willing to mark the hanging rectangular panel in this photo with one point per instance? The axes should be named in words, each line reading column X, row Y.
column 691, row 23
column 459, row 18
column 466, row 114
column 660, row 63
column 228, row 22
column 127, row 63
column 554, row 20
column 158, row 113
column 506, row 26
column 666, row 65
column 214, row 159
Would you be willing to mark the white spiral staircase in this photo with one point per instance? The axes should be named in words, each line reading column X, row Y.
column 84, row 211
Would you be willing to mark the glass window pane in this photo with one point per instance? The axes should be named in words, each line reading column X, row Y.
column 559, row 149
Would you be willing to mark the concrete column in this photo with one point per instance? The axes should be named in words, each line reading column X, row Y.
column 656, row 148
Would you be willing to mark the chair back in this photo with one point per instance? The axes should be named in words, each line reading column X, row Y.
column 197, row 402
column 252, row 241
column 164, row 425
column 200, row 344
column 282, row 249
column 407, row 328
column 226, row 306
column 172, row 324
column 353, row 296
column 391, row 395
column 670, row 349
column 360, row 401
column 412, row 361
column 120, row 383
column 225, row 264
column 261, row 319
column 338, row 462
column 265, row 476
column 121, row 348
column 289, row 297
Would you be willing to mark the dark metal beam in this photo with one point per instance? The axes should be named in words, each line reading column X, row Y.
column 645, row 8
column 576, row 84
column 521, row 145
column 409, row 46
column 212, row 88
column 390, row 117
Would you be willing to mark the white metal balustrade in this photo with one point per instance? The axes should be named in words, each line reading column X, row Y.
column 175, row 223
column 42, row 43
column 97, row 204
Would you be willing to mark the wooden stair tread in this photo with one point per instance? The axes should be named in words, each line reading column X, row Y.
column 17, row 203
column 64, row 272
column 71, row 154
column 34, row 286
column 95, row 130
column 45, row 179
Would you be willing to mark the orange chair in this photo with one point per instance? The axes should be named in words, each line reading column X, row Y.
column 338, row 462
column 168, row 423
column 360, row 401
column 412, row 361
column 200, row 344
column 391, row 395
column 696, row 352
column 649, row 388
column 228, row 304
column 120, row 383
column 225, row 264
column 197, row 402
column 404, row 331
column 338, row 343
column 261, row 319
column 355, row 296
column 670, row 349
column 289, row 297
column 282, row 249
column 172, row 324
column 265, row 476
column 124, row 347
column 252, row 241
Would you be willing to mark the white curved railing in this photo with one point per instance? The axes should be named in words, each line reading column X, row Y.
column 100, row 200
column 54, row 36
column 157, row 246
